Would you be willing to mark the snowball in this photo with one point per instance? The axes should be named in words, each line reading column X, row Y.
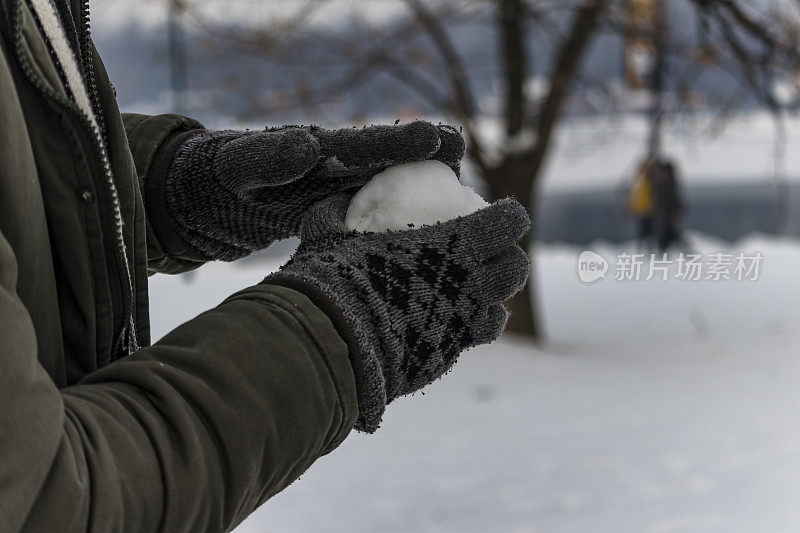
column 406, row 196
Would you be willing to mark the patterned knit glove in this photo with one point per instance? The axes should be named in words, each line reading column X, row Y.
column 231, row 192
column 413, row 299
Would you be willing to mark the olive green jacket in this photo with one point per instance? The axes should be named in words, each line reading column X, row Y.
column 190, row 434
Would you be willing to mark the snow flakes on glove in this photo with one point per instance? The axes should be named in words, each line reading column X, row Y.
column 232, row 192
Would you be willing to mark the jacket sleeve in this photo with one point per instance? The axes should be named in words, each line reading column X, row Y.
column 153, row 142
column 191, row 434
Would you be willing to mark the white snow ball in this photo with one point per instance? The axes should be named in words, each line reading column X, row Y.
column 407, row 196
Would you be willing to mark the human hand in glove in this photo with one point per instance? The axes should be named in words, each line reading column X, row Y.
column 232, row 192
column 408, row 302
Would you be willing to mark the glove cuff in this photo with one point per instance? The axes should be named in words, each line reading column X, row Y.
column 165, row 229
column 370, row 383
column 189, row 189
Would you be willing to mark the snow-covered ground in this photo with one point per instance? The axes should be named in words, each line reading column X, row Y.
column 654, row 406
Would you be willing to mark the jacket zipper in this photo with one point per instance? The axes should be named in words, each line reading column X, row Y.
column 127, row 339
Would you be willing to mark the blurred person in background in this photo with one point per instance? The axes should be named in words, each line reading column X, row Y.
column 668, row 215
column 100, row 431
column 641, row 204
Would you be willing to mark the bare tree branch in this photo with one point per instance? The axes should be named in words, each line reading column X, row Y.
column 747, row 64
column 456, row 72
column 463, row 105
column 757, row 30
column 566, row 64
column 511, row 17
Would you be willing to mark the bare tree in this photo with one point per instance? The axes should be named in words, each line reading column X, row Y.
column 752, row 45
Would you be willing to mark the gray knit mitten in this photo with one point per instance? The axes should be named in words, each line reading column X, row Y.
column 232, row 192
column 413, row 299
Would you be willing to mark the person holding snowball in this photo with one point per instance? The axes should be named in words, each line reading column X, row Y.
column 102, row 431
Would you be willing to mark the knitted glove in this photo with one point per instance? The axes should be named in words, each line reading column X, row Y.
column 413, row 299
column 231, row 192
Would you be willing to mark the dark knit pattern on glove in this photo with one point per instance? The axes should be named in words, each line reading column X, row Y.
column 414, row 299
column 231, row 192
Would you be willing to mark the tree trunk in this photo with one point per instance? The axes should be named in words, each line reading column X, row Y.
column 658, row 76
column 517, row 174
column 513, row 178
